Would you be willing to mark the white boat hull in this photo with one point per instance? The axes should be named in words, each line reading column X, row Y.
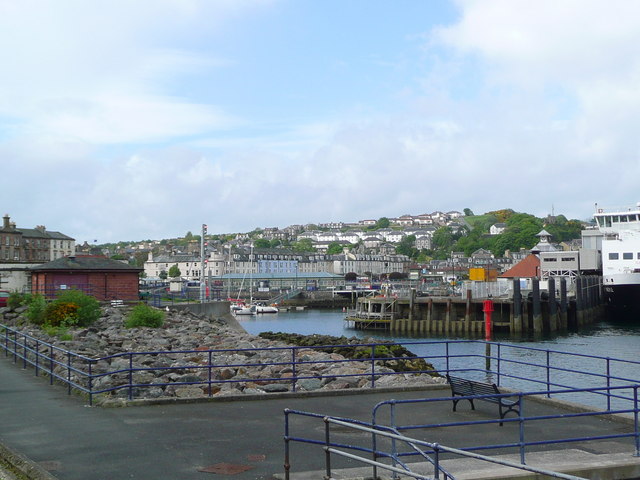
column 266, row 309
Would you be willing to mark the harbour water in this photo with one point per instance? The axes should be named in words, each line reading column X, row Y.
column 610, row 338
column 607, row 338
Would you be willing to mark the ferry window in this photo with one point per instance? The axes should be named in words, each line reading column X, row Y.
column 627, row 256
column 607, row 221
column 613, row 256
column 623, row 218
column 616, row 219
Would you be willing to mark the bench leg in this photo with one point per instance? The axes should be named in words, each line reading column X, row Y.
column 455, row 404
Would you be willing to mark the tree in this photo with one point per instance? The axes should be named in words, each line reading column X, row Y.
column 383, row 222
column 174, row 271
column 163, row 275
column 406, row 246
column 468, row 212
column 442, row 239
column 334, row 248
column 261, row 243
column 521, row 232
column 304, row 245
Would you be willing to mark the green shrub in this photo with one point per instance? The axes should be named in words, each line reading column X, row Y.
column 88, row 310
column 15, row 300
column 143, row 315
column 61, row 313
column 36, row 306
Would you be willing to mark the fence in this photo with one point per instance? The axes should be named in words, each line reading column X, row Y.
column 401, row 447
column 129, row 374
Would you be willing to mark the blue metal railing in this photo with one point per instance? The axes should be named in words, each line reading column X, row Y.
column 430, row 452
column 523, row 368
column 403, row 451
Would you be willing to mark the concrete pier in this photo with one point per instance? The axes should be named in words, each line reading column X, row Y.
column 537, row 312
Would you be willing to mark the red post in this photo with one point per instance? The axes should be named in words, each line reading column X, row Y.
column 487, row 308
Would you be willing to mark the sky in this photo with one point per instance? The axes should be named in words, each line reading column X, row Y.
column 127, row 121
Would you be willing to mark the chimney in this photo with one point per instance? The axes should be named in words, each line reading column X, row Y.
column 7, row 222
column 41, row 228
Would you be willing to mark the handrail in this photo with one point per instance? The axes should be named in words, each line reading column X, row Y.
column 438, row 447
column 479, row 359
column 331, row 447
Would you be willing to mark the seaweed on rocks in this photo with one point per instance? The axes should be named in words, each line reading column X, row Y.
column 387, row 353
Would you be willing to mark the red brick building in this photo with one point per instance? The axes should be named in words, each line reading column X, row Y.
column 99, row 276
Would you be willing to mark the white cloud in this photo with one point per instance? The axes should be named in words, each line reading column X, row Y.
column 101, row 73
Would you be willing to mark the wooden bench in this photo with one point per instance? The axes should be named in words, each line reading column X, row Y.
column 466, row 388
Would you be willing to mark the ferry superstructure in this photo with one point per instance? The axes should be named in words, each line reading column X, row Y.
column 620, row 228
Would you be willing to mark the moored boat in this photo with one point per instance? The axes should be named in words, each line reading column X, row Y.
column 620, row 257
column 262, row 308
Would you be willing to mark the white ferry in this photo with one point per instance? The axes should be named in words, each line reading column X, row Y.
column 620, row 256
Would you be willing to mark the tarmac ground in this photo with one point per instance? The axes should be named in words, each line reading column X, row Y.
column 58, row 436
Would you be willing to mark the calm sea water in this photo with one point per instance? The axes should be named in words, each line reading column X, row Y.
column 610, row 338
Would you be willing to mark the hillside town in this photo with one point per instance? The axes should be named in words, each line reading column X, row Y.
column 318, row 256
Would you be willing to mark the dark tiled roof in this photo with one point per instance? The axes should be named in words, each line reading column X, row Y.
column 86, row 263
column 32, row 233
column 59, row 236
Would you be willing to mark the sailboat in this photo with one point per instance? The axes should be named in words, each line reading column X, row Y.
column 240, row 308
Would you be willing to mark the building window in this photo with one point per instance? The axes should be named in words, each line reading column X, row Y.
column 627, row 256
column 613, row 256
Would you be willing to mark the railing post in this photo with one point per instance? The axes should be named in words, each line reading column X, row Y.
column 521, row 425
column 327, row 454
column 373, row 366
column 499, row 363
column 635, row 419
column 608, row 384
column 209, row 372
column 130, row 376
column 90, row 383
column 394, row 449
column 447, row 355
column 293, row 368
column 51, row 359
column 68, row 372
column 548, row 373
column 436, row 461
column 37, row 356
column 287, row 465
column 24, row 351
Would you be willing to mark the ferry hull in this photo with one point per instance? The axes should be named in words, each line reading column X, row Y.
column 624, row 299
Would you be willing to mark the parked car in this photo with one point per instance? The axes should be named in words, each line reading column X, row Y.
column 4, row 296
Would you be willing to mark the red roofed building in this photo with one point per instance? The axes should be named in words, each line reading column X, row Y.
column 98, row 276
column 528, row 267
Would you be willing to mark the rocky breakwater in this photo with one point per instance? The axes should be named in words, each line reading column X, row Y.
column 193, row 356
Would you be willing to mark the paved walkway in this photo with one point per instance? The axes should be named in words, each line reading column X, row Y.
column 240, row 439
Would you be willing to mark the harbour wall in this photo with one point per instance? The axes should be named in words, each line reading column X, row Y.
column 537, row 312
